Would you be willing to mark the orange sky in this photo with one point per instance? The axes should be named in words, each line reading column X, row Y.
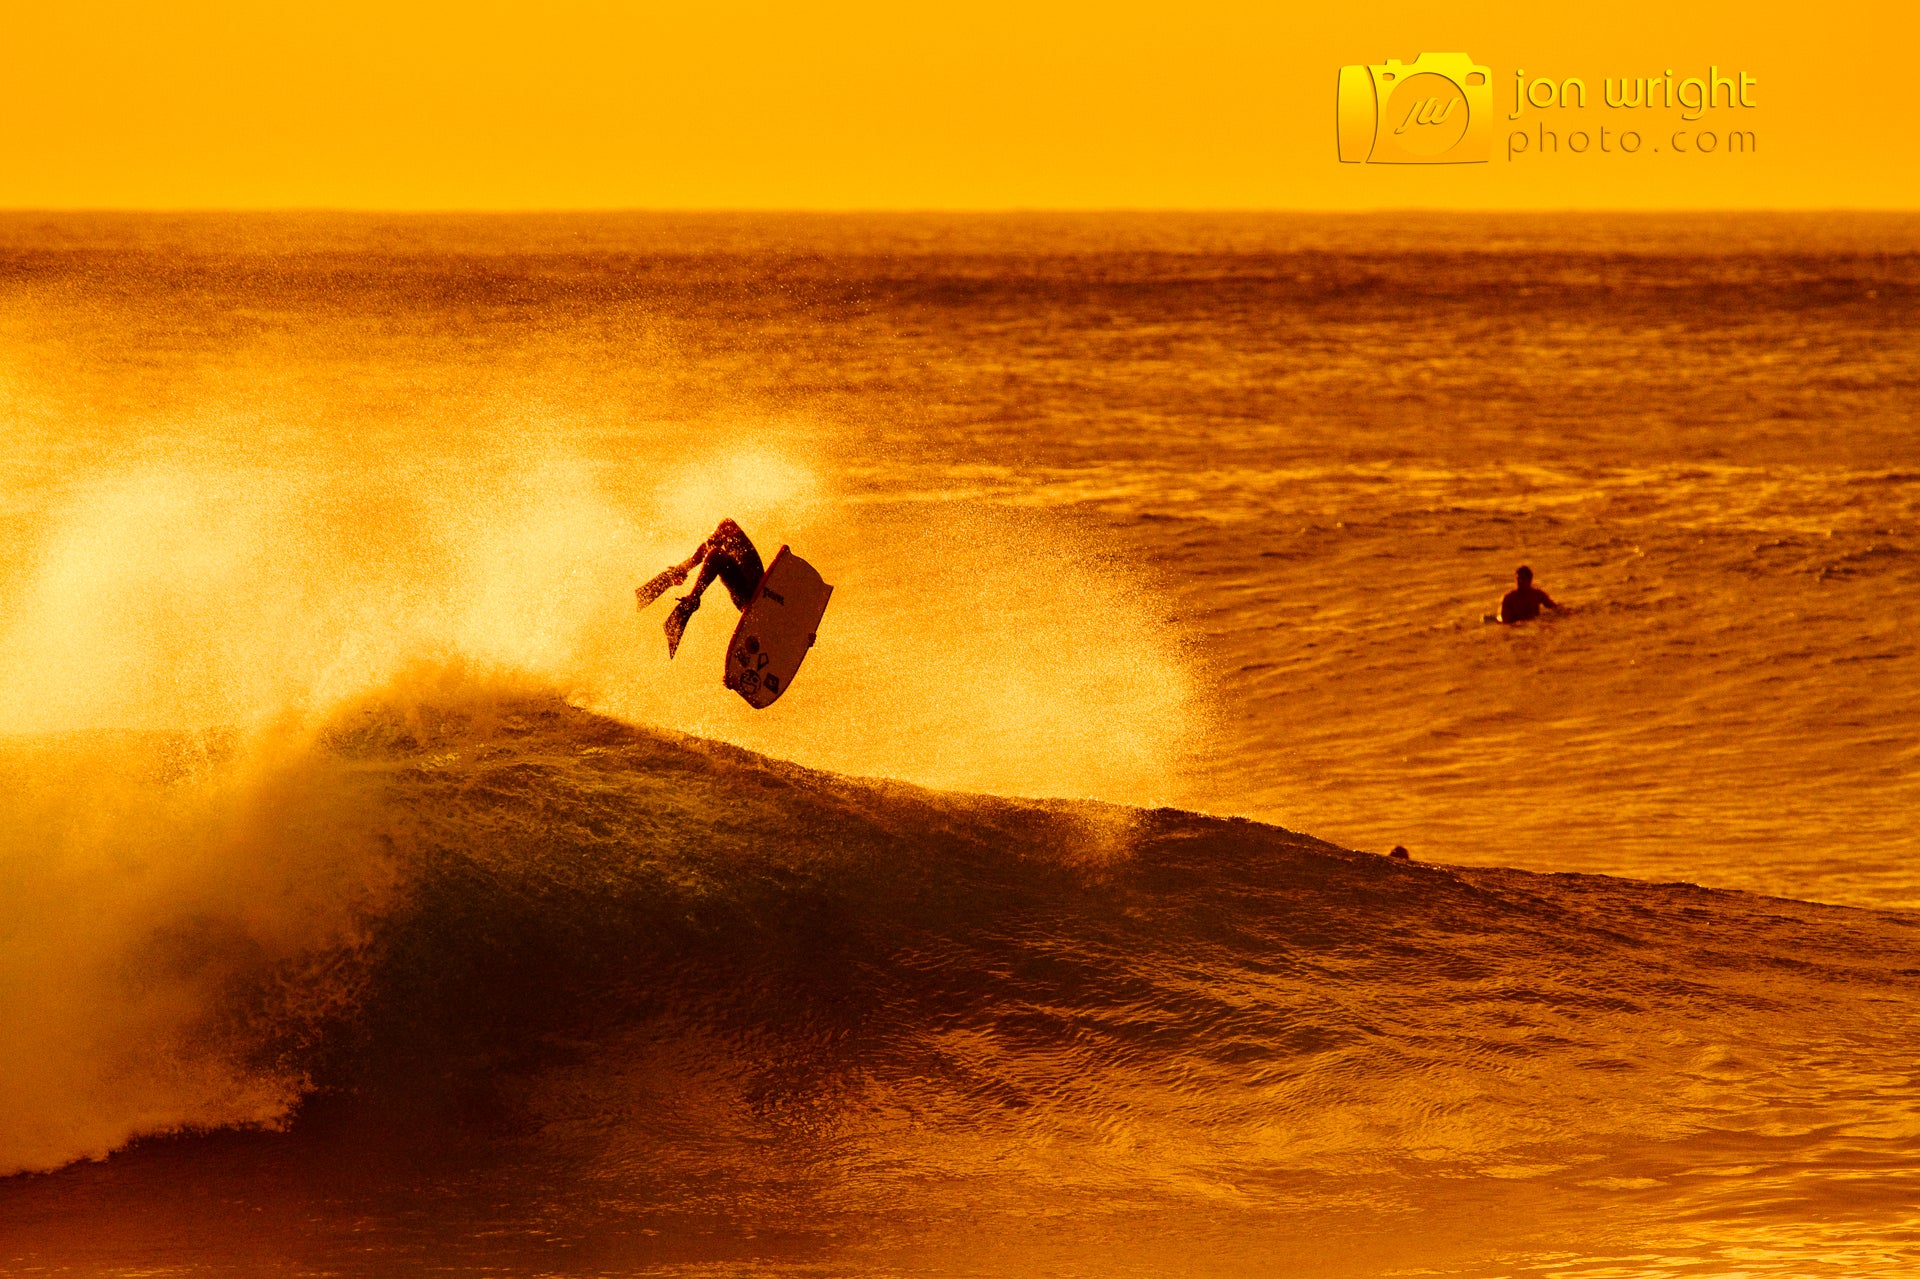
column 987, row 104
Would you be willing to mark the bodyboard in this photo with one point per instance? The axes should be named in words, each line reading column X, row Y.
column 776, row 629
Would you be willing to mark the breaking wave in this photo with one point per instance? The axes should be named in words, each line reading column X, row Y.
column 468, row 906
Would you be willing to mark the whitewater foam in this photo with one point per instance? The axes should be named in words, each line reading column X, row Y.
column 176, row 923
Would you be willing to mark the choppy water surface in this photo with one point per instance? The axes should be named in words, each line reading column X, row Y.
column 343, row 788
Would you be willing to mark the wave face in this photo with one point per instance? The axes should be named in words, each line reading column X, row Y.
column 523, row 982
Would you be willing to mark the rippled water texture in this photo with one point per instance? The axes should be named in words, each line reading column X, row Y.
column 365, row 863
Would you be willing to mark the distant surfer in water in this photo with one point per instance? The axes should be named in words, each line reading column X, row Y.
column 1524, row 602
column 728, row 555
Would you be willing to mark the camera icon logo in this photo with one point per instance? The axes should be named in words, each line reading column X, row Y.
column 1438, row 109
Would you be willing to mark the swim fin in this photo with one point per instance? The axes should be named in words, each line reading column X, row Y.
column 677, row 622
column 657, row 586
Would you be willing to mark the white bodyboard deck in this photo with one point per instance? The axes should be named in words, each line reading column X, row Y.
column 776, row 629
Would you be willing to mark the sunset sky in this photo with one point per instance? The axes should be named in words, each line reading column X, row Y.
column 403, row 104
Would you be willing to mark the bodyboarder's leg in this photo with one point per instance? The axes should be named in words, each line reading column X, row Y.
column 727, row 555
column 677, row 621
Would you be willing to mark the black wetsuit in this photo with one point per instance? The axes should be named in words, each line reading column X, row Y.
column 730, row 556
column 1522, row 603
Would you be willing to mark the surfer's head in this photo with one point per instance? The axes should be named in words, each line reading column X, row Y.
column 1523, row 575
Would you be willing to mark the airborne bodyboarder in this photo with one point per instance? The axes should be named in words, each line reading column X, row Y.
column 728, row 555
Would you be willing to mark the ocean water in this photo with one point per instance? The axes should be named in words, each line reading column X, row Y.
column 378, row 896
